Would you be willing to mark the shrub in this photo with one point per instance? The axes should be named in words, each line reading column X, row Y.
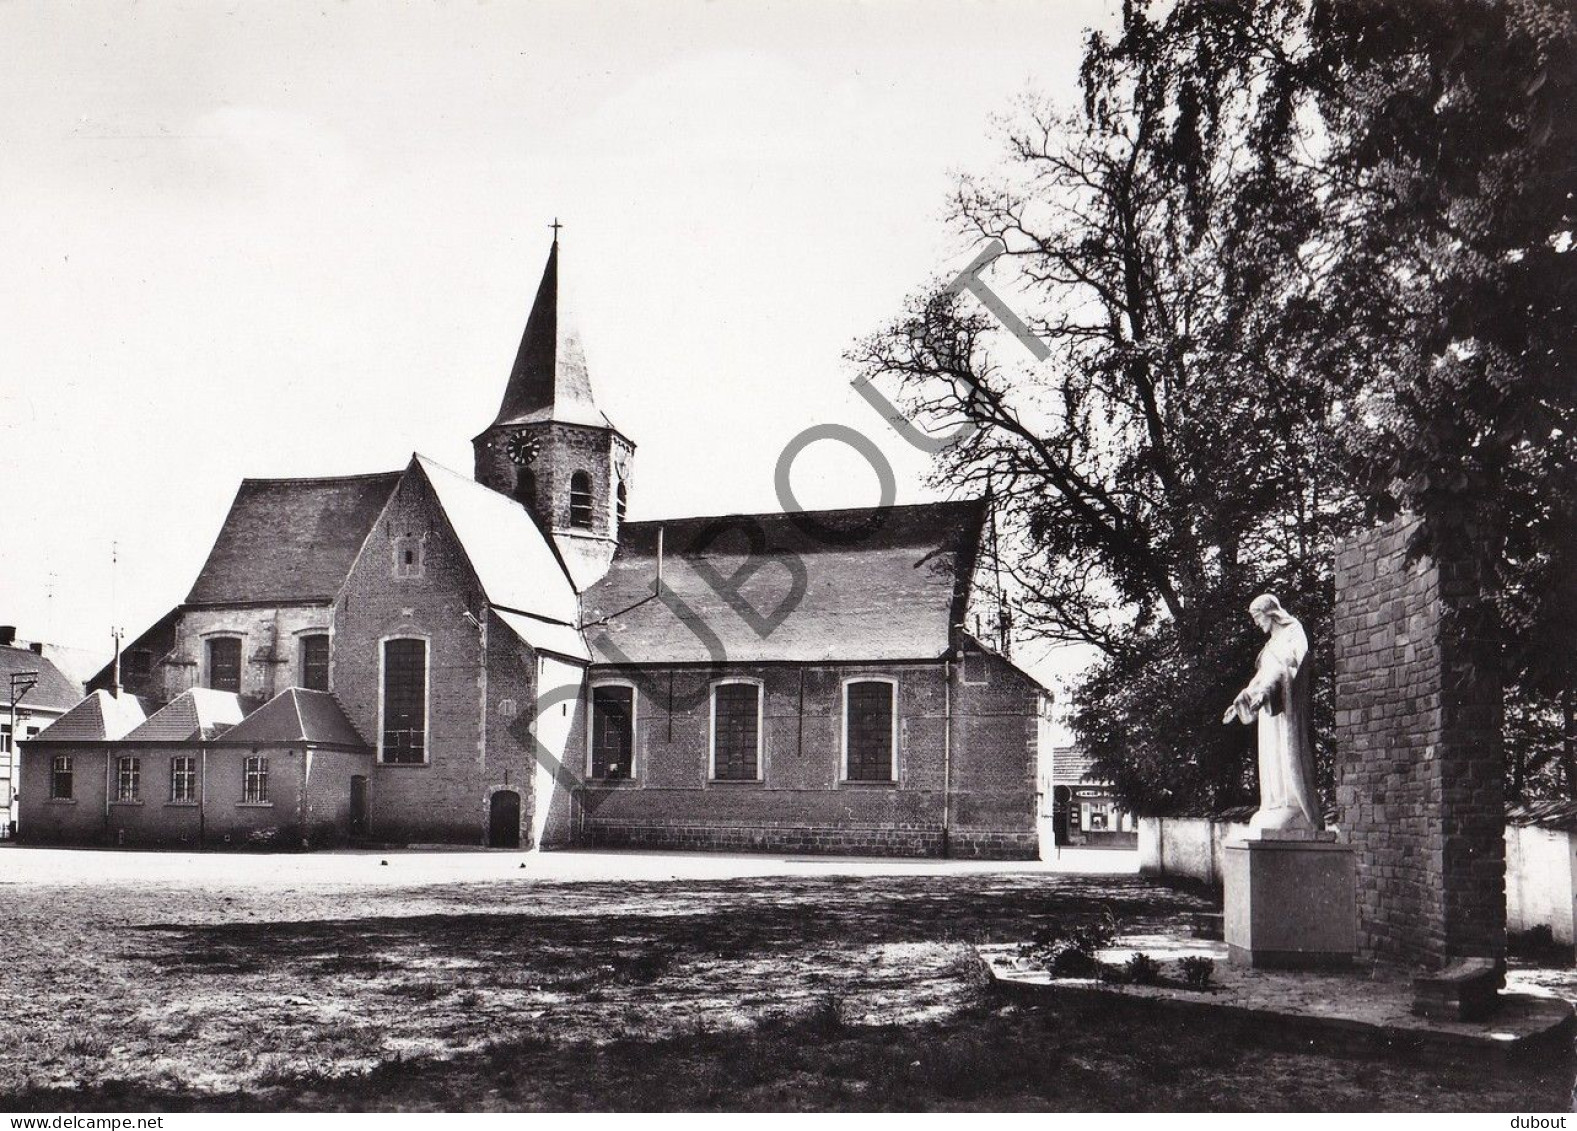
column 1143, row 970
column 1197, row 970
column 1072, row 954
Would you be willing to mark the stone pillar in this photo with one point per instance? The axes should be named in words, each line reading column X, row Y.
column 1420, row 788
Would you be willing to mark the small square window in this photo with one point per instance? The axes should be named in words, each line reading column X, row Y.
column 408, row 556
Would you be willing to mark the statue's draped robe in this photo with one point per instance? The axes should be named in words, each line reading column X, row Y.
column 1287, row 796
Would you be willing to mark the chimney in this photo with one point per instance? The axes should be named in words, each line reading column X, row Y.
column 37, row 646
column 7, row 635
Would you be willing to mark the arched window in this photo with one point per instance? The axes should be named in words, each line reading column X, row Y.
column 224, row 663
column 870, row 729
column 404, row 701
column 580, row 500
column 525, row 486
column 622, row 499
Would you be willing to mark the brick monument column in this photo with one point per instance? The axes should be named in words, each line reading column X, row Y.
column 1420, row 787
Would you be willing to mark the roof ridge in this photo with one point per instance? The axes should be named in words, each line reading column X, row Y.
column 295, row 703
column 363, row 476
column 831, row 511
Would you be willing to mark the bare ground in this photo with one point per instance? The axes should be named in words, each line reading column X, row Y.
column 755, row 993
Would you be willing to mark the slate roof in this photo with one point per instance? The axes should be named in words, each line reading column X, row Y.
column 290, row 539
column 507, row 550
column 198, row 713
column 98, row 718
column 549, row 380
column 891, row 584
column 1072, row 766
column 295, row 716
column 53, row 690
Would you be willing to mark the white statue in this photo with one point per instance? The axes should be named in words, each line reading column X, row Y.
column 1279, row 695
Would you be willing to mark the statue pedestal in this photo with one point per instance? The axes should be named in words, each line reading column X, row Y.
column 1291, row 900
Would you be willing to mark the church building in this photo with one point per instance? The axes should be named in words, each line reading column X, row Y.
column 421, row 657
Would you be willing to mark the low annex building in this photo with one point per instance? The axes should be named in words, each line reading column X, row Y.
column 424, row 657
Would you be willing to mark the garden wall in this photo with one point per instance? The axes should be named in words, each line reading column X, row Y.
column 1541, row 866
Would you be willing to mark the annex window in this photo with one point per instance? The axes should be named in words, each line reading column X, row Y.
column 612, row 731
column 60, row 779
column 621, row 501
column 736, row 731
column 404, row 701
column 128, row 779
column 183, row 779
column 138, row 664
column 869, row 733
column 315, row 661
column 224, row 663
column 254, row 790
column 580, row 500
column 5, row 738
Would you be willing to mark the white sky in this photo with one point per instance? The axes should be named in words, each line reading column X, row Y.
column 288, row 239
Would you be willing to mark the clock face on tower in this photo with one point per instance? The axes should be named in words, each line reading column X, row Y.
column 521, row 449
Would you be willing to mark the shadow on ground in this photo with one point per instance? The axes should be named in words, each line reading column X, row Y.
column 757, row 994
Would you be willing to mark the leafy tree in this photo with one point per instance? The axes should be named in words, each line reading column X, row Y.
column 1300, row 263
column 1168, row 460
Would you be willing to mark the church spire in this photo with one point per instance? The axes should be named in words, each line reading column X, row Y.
column 549, row 380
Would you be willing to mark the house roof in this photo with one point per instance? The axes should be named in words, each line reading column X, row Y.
column 510, row 555
column 549, row 380
column 53, row 690
column 290, row 539
column 294, row 716
column 98, row 718
column 200, row 713
column 888, row 584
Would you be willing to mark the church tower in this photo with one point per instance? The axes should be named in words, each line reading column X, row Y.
column 551, row 448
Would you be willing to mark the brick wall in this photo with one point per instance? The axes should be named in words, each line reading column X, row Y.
column 80, row 820
column 270, row 647
column 802, row 803
column 445, row 799
column 1419, row 770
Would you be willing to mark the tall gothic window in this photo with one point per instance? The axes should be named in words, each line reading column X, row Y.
column 404, row 701
column 580, row 500
column 622, row 500
column 612, row 731
column 224, row 663
column 868, row 732
column 736, row 732
column 315, row 662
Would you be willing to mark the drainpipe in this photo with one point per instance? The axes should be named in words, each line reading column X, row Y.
column 108, row 753
column 202, row 797
column 947, row 751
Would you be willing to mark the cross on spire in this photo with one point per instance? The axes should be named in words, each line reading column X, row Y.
column 555, row 226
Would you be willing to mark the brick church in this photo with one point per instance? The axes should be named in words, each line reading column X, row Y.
column 421, row 657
